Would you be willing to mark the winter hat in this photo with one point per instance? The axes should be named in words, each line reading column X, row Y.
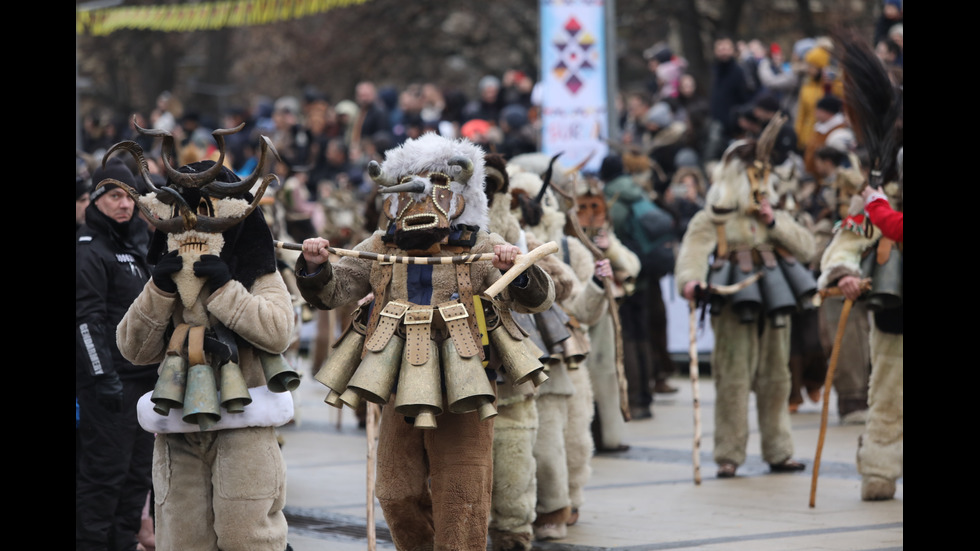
column 768, row 103
column 686, row 157
column 830, row 104
column 115, row 169
column 612, row 166
column 774, row 49
column 818, row 57
column 514, row 115
column 660, row 114
column 347, row 107
column 659, row 52
column 82, row 186
column 802, row 47
column 489, row 81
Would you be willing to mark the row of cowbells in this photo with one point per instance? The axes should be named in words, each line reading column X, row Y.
column 352, row 377
column 202, row 396
column 785, row 287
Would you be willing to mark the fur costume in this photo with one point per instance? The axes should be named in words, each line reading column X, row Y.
column 434, row 485
column 868, row 246
column 516, row 425
column 217, row 485
column 747, row 357
column 880, row 456
column 564, row 445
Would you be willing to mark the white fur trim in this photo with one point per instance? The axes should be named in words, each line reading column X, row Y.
column 431, row 153
column 268, row 409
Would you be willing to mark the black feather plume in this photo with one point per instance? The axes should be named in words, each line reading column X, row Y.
column 874, row 105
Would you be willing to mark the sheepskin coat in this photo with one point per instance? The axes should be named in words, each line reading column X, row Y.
column 240, row 505
column 880, row 456
column 747, row 357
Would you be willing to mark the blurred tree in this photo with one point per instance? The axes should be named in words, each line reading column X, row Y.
column 393, row 42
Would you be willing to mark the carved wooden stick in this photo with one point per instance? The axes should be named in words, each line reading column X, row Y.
column 523, row 262
column 831, row 367
column 393, row 259
column 693, row 351
column 373, row 415
column 612, row 305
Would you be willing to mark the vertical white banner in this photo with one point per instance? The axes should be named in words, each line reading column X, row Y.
column 574, row 99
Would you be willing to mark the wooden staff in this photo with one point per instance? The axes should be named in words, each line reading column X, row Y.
column 829, row 380
column 693, row 351
column 522, row 259
column 372, row 438
column 693, row 366
column 608, row 285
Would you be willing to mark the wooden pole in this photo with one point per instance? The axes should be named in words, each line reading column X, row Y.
column 693, row 351
column 835, row 354
column 608, row 286
column 547, row 248
column 372, row 441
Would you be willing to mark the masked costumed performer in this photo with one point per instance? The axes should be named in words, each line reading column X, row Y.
column 215, row 307
column 434, row 473
column 752, row 340
column 869, row 243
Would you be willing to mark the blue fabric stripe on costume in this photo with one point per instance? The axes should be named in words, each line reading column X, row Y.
column 420, row 283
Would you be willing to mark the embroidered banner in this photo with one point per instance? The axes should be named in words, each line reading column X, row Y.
column 573, row 88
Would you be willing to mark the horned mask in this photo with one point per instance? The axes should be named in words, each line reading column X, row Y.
column 432, row 183
column 200, row 204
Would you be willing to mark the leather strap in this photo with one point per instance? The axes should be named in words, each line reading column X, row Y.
column 195, row 345
column 884, row 250
column 456, row 317
column 388, row 320
column 385, row 270
column 177, row 339
column 722, row 241
column 464, row 288
column 768, row 257
column 418, row 333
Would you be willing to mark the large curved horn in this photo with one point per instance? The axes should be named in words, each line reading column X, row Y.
column 218, row 225
column 466, row 167
column 196, row 179
column 546, row 179
column 169, row 150
column 408, row 187
column 136, row 151
column 226, row 189
column 377, row 174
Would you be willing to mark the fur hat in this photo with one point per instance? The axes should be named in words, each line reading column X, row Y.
column 115, row 169
column 431, row 153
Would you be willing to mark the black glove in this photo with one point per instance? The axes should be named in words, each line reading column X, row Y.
column 214, row 269
column 109, row 392
column 168, row 265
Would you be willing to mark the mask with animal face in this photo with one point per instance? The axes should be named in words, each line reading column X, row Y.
column 738, row 182
column 201, row 206
column 432, row 183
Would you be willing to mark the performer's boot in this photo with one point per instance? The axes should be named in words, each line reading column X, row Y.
column 509, row 541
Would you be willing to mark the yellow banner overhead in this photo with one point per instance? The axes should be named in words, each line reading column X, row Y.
column 201, row 16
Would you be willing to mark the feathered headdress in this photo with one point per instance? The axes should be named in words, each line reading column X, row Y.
column 873, row 103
